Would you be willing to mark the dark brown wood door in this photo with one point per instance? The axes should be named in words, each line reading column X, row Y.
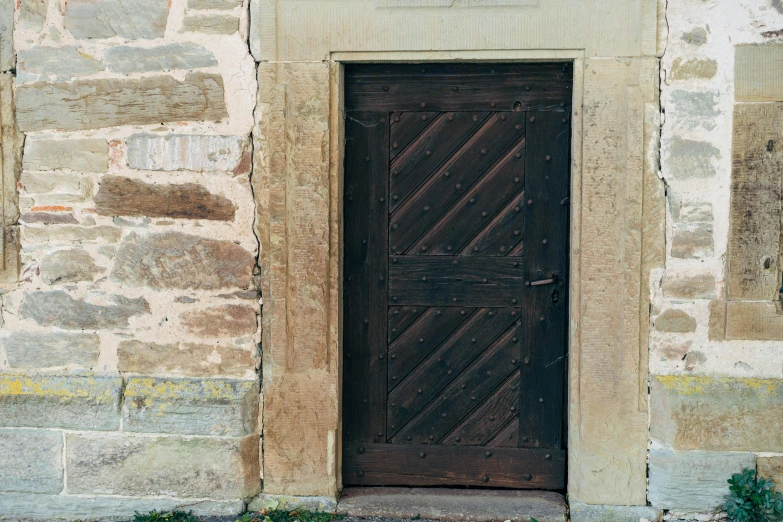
column 456, row 274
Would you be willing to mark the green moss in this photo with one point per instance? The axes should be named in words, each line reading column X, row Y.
column 166, row 516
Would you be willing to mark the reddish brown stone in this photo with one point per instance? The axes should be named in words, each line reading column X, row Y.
column 120, row 196
column 220, row 321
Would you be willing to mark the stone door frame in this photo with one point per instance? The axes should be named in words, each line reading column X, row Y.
column 617, row 218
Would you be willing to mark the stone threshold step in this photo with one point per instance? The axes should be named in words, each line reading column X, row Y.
column 469, row 505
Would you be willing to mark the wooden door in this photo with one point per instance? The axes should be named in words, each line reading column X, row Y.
column 456, row 274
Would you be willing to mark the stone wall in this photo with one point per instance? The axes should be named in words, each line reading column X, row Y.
column 716, row 355
column 129, row 351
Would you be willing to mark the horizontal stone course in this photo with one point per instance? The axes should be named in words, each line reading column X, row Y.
column 93, row 104
column 32, row 14
column 68, row 234
column 580, row 512
column 83, row 155
column 49, row 218
column 68, row 266
column 186, row 152
column 213, row 4
column 676, row 321
column 174, row 260
column 693, row 69
column 188, row 359
column 172, row 466
column 222, row 321
column 57, row 308
column 716, row 413
column 218, row 407
column 690, row 159
column 126, row 18
column 35, row 350
column 54, row 401
column 120, row 196
column 693, row 481
column 757, row 75
column 211, row 24
column 55, row 63
column 679, row 285
column 31, row 461
column 692, row 240
column 127, row 59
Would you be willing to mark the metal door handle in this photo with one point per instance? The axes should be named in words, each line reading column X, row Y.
column 549, row 281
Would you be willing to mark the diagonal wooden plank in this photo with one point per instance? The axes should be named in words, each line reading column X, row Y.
column 441, row 140
column 508, row 437
column 465, row 393
column 401, row 317
column 494, row 414
column 446, row 363
column 423, row 208
column 406, row 127
column 478, row 207
column 503, row 236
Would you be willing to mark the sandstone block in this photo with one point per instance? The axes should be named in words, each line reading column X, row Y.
column 217, row 407
column 690, row 211
column 174, row 260
column 717, row 413
column 693, row 110
column 84, row 155
column 753, row 321
column 55, row 63
column 31, row 461
column 53, row 401
column 70, row 234
column 48, row 218
column 771, row 468
column 55, row 183
column 696, row 36
column 717, row 322
column 172, row 466
column 189, row 359
column 213, row 4
column 32, row 14
column 675, row 321
column 688, row 159
column 92, row 104
column 133, row 19
column 757, row 74
column 68, row 266
column 126, row 59
column 186, row 152
column 210, row 24
column 693, row 69
column 120, row 196
column 57, row 308
column 33, row 350
column 692, row 240
column 7, row 60
column 689, row 286
column 693, row 480
column 222, row 321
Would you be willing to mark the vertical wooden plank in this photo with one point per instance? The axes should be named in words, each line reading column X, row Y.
column 754, row 227
column 544, row 303
column 365, row 276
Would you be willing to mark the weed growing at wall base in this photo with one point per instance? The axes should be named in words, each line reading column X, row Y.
column 753, row 499
column 166, row 516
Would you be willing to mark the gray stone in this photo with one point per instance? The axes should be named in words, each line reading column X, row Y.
column 7, row 59
column 692, row 240
column 110, row 464
column 83, row 402
column 266, row 503
column 32, row 14
column 34, row 350
column 68, row 266
column 69, row 234
column 600, row 513
column 214, row 4
column 689, row 286
column 217, row 407
column 54, row 63
column 48, row 218
column 174, row 260
column 693, row 480
column 695, row 109
column 190, row 359
column 210, row 24
column 696, row 36
column 126, row 60
column 93, row 104
column 693, row 69
column 452, row 504
column 255, row 30
column 54, row 182
column 47, row 507
column 675, row 321
column 186, row 152
column 142, row 19
column 690, row 412
column 83, row 155
column 696, row 212
column 31, row 461
column 688, row 159
column 57, row 308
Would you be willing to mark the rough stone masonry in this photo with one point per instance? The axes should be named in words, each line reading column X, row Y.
column 164, row 163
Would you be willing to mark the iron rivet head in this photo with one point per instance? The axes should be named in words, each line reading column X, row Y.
column 394, row 260
column 395, row 145
column 484, row 214
column 513, row 361
column 516, row 209
column 408, row 437
column 455, row 262
column 428, row 153
column 457, row 439
column 516, row 180
column 484, row 280
column 424, row 278
column 451, row 118
column 394, row 377
column 385, row 87
column 395, row 226
column 448, row 248
column 364, row 401
column 541, row 318
column 432, row 437
column 514, row 339
column 396, row 118
column 475, row 249
column 423, row 248
column 548, row 456
column 475, row 117
column 516, row 232
column 502, row 249
column 364, row 241
column 422, row 454
column 513, row 408
column 438, row 312
column 518, row 155
column 395, row 172
column 423, row 105
column 360, row 449
column 360, row 473
column 548, row 157
column 527, row 283
column 381, row 200
column 473, row 397
column 492, row 104
column 544, row 241
column 427, row 208
column 492, row 314
column 472, row 200
column 455, row 88
column 380, row 434
column 446, row 174
column 393, row 426
column 395, row 197
column 394, row 299
column 367, row 158
column 454, row 299
column 516, row 263
column 448, row 372
column 489, row 374
column 532, row 119
column 458, row 186
column 517, row 126
column 528, row 477
column 562, row 104
column 366, row 321
column 488, row 454
column 380, row 356
column 524, row 439
column 541, row 400
column 485, row 478
column 503, row 117
column 513, row 301
column 424, row 117
column 394, row 356
column 527, row 360
column 421, row 340
column 529, row 201
column 527, row 87
column 473, row 340
column 564, row 120
column 462, row 312
column 443, row 415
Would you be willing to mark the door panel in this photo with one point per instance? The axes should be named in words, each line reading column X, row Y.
column 455, row 275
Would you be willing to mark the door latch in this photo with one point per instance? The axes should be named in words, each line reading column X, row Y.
column 549, row 281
